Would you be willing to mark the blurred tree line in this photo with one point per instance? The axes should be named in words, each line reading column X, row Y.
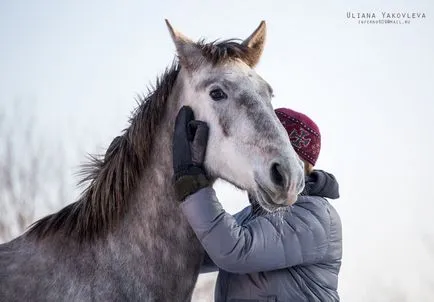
column 32, row 171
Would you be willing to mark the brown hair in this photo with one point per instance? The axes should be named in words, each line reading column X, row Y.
column 308, row 167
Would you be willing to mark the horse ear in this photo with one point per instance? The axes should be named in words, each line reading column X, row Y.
column 255, row 42
column 187, row 50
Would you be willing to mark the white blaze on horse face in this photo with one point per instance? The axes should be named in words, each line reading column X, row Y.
column 246, row 138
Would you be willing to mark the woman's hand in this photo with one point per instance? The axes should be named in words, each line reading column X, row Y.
column 189, row 148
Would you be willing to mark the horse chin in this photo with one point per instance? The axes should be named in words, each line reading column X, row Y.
column 268, row 204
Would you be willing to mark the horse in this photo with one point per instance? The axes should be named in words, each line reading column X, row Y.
column 125, row 238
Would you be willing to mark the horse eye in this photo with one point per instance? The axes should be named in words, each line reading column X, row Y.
column 218, row 94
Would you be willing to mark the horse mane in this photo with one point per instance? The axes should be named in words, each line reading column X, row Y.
column 218, row 52
column 114, row 177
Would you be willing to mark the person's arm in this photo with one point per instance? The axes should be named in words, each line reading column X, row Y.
column 208, row 266
column 266, row 243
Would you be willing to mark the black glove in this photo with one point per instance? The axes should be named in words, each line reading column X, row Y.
column 189, row 146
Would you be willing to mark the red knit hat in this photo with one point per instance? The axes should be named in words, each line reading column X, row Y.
column 303, row 133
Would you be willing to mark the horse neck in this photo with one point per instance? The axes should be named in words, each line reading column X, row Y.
column 154, row 210
column 154, row 236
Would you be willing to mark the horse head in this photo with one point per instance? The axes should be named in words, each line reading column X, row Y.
column 247, row 145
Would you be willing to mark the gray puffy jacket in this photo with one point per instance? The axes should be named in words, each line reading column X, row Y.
column 291, row 256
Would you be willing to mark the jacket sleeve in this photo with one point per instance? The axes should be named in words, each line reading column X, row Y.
column 208, row 266
column 270, row 242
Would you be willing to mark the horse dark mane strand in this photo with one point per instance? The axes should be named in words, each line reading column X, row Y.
column 113, row 178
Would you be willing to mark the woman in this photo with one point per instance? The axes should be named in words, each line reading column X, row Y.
column 293, row 256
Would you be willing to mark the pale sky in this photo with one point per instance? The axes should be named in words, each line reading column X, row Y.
column 78, row 65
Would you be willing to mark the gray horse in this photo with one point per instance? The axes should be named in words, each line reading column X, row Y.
column 125, row 239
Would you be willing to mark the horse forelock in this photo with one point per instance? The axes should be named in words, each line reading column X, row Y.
column 113, row 178
column 218, row 52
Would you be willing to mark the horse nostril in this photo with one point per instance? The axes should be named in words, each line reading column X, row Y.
column 278, row 175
